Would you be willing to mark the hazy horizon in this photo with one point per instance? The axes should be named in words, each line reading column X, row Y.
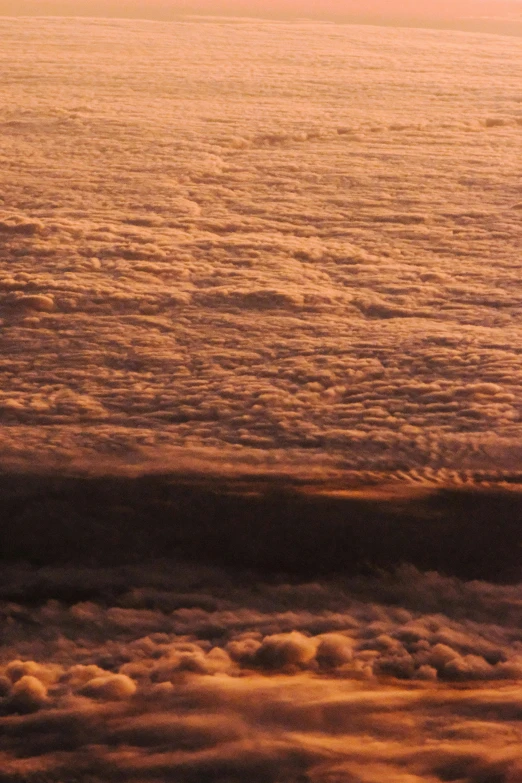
column 486, row 16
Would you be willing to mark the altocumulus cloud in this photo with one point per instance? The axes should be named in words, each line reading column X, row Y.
column 229, row 250
column 209, row 242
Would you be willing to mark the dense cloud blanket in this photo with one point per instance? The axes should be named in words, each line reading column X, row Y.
column 261, row 235
column 260, row 304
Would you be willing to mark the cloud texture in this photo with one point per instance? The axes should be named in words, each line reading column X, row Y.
column 188, row 674
column 260, row 307
column 213, row 664
column 260, row 236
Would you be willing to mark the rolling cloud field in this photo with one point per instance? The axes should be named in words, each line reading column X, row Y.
column 260, row 433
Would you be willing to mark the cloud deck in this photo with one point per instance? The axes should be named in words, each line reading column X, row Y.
column 260, row 412
column 260, row 235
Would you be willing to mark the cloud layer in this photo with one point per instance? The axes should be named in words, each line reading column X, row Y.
column 280, row 264
column 490, row 16
column 190, row 674
column 260, row 236
column 272, row 524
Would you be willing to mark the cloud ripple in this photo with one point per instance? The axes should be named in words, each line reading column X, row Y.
column 258, row 235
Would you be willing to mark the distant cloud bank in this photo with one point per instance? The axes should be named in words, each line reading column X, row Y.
column 494, row 16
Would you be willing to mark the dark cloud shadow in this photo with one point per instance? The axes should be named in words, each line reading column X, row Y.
column 266, row 523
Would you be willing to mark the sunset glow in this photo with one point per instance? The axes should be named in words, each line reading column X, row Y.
column 260, row 435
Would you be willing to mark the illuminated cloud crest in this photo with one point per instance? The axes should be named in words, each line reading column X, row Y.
column 185, row 673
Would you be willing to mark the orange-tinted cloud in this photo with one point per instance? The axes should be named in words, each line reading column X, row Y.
column 412, row 11
column 243, row 248
column 240, row 679
column 249, row 247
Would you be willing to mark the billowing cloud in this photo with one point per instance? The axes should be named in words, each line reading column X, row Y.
column 189, row 672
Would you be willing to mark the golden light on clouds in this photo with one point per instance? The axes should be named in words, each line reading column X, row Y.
column 277, row 237
column 260, row 304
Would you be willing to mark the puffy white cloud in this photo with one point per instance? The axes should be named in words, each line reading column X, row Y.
column 27, row 694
